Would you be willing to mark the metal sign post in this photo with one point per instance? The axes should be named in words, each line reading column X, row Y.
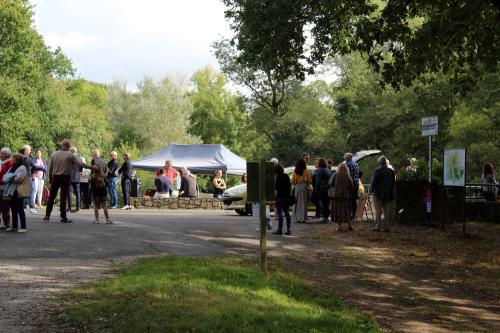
column 260, row 189
column 429, row 128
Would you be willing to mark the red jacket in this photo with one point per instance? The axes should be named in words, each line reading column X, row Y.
column 4, row 168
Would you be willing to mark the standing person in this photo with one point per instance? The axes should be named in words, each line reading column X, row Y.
column 305, row 157
column 244, row 178
column 283, row 189
column 383, row 192
column 38, row 178
column 126, row 172
column 341, row 186
column 189, row 186
column 60, row 167
column 354, row 173
column 18, row 177
column 219, row 184
column 322, row 178
column 98, row 186
column 302, row 184
column 162, row 184
column 413, row 165
column 85, row 186
column 111, row 179
column 330, row 164
column 75, row 183
column 5, row 166
column 488, row 181
column 28, row 164
column 315, row 192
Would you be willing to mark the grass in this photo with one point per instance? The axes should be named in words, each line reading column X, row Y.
column 184, row 294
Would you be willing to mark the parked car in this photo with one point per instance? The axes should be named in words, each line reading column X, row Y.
column 235, row 198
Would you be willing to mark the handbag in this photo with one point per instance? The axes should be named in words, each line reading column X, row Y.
column 292, row 201
column 23, row 189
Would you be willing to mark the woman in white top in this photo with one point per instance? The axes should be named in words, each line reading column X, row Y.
column 38, row 177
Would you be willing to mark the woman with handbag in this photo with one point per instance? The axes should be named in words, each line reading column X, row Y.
column 18, row 177
column 302, row 185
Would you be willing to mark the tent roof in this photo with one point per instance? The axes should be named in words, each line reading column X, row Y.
column 198, row 158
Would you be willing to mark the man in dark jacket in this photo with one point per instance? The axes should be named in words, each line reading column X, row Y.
column 126, row 172
column 383, row 191
column 111, row 179
column 75, row 183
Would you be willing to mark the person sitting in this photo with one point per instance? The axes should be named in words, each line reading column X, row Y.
column 189, row 187
column 163, row 184
column 219, row 184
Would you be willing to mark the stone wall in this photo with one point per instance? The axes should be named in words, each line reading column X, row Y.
column 177, row 203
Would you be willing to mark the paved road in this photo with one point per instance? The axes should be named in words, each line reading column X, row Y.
column 53, row 256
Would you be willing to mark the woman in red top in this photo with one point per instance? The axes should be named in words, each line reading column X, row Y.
column 5, row 165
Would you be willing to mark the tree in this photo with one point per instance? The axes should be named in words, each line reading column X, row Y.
column 419, row 37
column 27, row 66
column 219, row 115
column 157, row 115
column 405, row 39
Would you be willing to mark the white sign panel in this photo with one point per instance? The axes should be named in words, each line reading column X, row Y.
column 454, row 167
column 429, row 126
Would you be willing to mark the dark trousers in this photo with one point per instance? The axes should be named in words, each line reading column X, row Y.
column 5, row 208
column 74, row 188
column 84, row 190
column 324, row 202
column 354, row 201
column 58, row 182
column 282, row 207
column 126, row 191
column 17, row 208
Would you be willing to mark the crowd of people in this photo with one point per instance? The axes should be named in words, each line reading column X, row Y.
column 333, row 189
column 23, row 181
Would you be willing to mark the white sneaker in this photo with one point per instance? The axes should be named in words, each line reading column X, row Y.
column 126, row 207
column 108, row 221
column 21, row 230
column 11, row 229
column 33, row 210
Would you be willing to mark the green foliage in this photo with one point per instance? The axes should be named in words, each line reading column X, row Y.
column 182, row 294
column 219, row 116
column 155, row 116
column 27, row 66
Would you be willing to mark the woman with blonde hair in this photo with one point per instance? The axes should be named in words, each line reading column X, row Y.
column 340, row 191
column 301, row 186
column 219, row 184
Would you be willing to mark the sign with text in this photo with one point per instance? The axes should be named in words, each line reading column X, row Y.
column 454, row 167
column 429, row 126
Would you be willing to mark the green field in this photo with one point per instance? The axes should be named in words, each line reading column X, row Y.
column 184, row 294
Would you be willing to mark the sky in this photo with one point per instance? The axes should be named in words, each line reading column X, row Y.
column 125, row 40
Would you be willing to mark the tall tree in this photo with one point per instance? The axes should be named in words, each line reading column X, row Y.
column 26, row 67
column 156, row 115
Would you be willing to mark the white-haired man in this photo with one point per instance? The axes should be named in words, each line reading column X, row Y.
column 111, row 178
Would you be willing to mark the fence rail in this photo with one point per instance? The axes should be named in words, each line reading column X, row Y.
column 475, row 190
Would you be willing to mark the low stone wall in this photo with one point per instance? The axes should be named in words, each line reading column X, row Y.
column 177, row 203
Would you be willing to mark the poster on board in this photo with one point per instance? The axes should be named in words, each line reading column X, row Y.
column 454, row 167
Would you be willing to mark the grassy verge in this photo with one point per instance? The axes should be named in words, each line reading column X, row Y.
column 183, row 294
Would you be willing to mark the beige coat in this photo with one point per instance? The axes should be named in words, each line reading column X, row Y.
column 340, row 186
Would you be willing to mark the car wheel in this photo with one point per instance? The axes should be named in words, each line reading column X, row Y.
column 241, row 212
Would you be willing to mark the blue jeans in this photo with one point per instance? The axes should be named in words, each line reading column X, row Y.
column 282, row 207
column 112, row 192
column 17, row 209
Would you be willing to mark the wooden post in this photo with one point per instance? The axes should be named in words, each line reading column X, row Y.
column 262, row 216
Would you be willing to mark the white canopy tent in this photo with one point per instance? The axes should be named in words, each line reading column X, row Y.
column 198, row 158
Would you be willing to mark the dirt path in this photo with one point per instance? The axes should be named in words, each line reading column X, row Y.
column 413, row 279
column 410, row 280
